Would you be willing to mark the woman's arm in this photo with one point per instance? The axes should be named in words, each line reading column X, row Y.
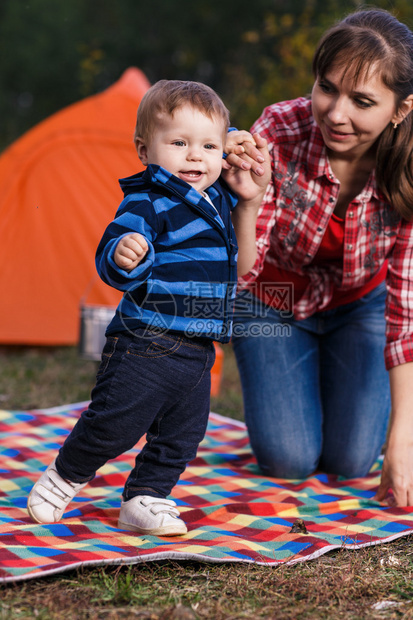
column 250, row 189
column 397, row 471
column 244, row 220
column 398, row 462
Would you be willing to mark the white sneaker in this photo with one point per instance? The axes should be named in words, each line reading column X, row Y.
column 154, row 516
column 50, row 496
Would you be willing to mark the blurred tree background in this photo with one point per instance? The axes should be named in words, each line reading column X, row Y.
column 53, row 53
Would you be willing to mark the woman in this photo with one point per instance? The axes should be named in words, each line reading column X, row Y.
column 334, row 229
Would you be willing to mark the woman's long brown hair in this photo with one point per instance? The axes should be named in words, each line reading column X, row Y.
column 374, row 40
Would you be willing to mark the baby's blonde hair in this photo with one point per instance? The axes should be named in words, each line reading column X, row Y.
column 165, row 96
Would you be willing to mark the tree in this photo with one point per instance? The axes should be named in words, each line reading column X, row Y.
column 54, row 53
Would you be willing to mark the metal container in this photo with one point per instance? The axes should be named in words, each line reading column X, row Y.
column 93, row 323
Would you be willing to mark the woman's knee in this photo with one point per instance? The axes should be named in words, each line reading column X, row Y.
column 350, row 464
column 290, row 465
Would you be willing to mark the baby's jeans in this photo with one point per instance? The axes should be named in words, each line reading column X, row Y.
column 316, row 391
column 146, row 383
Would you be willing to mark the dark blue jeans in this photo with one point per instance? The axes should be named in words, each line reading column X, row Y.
column 157, row 384
column 316, row 392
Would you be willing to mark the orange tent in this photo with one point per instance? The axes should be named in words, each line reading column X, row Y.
column 58, row 191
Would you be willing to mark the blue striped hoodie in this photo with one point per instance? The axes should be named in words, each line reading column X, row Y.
column 187, row 281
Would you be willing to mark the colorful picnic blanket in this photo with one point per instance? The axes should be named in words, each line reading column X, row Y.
column 233, row 512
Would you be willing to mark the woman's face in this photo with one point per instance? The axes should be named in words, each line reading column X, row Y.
column 352, row 116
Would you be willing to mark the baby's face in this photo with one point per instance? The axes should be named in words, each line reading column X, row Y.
column 188, row 144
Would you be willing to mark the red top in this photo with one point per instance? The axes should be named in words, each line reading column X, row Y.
column 330, row 252
column 332, row 249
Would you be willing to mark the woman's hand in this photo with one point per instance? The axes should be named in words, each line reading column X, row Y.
column 397, row 475
column 242, row 152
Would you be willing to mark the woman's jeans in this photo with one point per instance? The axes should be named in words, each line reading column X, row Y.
column 154, row 384
column 316, row 391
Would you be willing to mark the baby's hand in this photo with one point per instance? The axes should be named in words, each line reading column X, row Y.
column 130, row 251
column 243, row 152
column 248, row 186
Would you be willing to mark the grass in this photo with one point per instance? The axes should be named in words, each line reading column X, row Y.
column 341, row 584
column 34, row 378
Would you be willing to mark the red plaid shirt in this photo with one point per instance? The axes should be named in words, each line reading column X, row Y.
column 295, row 213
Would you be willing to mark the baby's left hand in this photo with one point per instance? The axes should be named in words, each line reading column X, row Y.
column 246, row 183
column 242, row 152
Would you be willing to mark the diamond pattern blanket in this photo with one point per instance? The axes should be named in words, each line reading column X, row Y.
column 233, row 512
